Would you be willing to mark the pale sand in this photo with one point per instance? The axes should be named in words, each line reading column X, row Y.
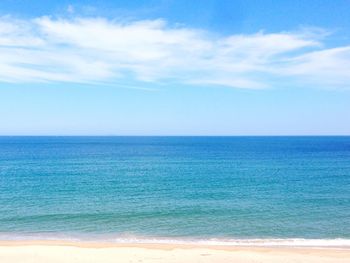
column 54, row 252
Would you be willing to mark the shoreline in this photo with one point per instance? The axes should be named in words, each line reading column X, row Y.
column 40, row 251
column 337, row 243
column 160, row 245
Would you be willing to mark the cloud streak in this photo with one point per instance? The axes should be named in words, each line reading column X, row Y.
column 97, row 50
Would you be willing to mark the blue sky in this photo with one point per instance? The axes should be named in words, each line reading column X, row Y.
column 174, row 67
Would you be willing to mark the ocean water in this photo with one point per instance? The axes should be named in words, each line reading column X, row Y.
column 239, row 190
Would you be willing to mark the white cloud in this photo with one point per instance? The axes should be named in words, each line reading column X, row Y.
column 329, row 67
column 95, row 50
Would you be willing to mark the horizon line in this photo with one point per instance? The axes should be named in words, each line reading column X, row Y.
column 180, row 135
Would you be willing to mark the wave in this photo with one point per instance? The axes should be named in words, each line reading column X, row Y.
column 274, row 242
column 253, row 242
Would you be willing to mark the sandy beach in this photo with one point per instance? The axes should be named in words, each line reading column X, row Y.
column 52, row 251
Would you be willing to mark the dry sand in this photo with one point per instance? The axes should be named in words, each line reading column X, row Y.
column 54, row 252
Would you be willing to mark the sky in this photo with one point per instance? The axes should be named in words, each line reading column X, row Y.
column 175, row 67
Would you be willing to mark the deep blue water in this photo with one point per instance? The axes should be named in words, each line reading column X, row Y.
column 175, row 187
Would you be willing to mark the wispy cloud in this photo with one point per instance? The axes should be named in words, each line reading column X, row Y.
column 97, row 50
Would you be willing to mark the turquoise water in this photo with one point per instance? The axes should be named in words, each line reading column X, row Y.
column 176, row 188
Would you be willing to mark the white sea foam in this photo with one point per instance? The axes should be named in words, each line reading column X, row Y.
column 288, row 242
column 127, row 239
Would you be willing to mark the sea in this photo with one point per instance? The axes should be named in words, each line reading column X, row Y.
column 261, row 191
